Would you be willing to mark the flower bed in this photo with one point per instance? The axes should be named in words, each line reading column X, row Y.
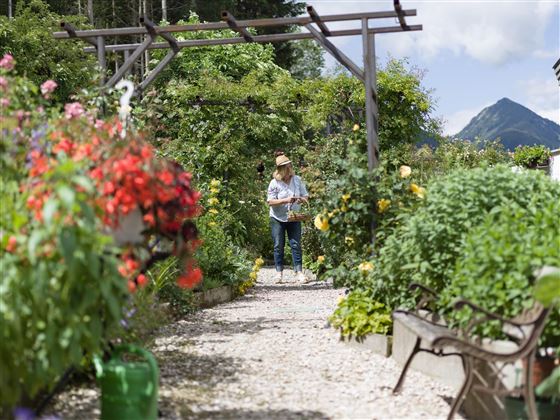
column 70, row 182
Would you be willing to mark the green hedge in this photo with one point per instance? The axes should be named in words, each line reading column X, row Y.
column 498, row 259
column 426, row 247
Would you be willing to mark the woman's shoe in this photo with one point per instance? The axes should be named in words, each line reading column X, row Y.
column 278, row 278
column 300, row 277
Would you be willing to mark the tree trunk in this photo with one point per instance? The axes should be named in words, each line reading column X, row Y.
column 90, row 10
column 10, row 9
column 164, row 10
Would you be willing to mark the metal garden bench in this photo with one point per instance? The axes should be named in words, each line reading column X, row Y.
column 435, row 338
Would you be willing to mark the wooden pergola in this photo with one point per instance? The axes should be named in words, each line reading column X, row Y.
column 315, row 24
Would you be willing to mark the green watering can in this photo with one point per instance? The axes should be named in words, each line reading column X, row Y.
column 129, row 390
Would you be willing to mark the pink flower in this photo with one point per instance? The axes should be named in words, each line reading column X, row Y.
column 73, row 110
column 99, row 124
column 48, row 87
column 3, row 82
column 7, row 62
column 4, row 102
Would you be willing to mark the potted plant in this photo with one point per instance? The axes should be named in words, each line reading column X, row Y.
column 547, row 389
column 532, row 157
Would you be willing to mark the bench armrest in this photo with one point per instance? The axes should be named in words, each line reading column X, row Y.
column 427, row 295
column 513, row 329
column 463, row 302
column 414, row 286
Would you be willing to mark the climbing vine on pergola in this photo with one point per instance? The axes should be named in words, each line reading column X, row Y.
column 314, row 23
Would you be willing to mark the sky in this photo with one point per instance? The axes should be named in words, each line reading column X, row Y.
column 473, row 52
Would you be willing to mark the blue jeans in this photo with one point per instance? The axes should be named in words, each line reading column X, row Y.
column 279, row 230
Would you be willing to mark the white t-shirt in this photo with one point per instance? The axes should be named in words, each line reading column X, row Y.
column 278, row 190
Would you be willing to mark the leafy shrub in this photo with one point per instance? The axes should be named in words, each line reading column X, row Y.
column 496, row 265
column 60, row 290
column 531, row 156
column 352, row 201
column 425, row 247
column 28, row 36
column 358, row 315
column 221, row 261
column 452, row 154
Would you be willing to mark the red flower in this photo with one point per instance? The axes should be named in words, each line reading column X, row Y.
column 131, row 286
column 166, row 177
column 11, row 245
column 190, row 279
column 142, row 280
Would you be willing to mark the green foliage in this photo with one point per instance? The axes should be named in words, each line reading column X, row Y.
column 221, row 261
column 351, row 200
column 550, row 387
column 404, row 106
column 307, row 59
column 60, row 288
column 162, row 289
column 499, row 255
column 426, row 246
column 358, row 315
column 231, row 62
column 531, row 156
column 451, row 154
column 28, row 37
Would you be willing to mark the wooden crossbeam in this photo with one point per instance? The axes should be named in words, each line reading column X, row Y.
column 138, row 51
column 257, row 38
column 400, row 14
column 317, row 19
column 71, row 31
column 151, row 27
column 232, row 22
column 212, row 26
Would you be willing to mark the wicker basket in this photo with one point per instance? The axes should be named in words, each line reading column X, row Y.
column 297, row 216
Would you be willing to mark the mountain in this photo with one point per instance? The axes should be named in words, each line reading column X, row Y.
column 514, row 124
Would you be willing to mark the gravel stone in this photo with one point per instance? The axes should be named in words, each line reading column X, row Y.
column 271, row 355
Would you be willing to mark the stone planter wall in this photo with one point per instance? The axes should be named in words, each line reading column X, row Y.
column 378, row 343
column 212, row 297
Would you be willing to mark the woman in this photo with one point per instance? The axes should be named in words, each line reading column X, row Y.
column 286, row 192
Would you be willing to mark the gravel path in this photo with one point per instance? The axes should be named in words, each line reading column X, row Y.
column 270, row 355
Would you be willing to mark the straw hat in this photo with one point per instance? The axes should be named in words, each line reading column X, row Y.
column 282, row 160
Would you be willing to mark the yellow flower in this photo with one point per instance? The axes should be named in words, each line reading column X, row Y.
column 405, row 171
column 213, row 201
column 383, row 204
column 321, row 222
column 418, row 191
column 340, row 299
column 215, row 183
column 344, row 208
column 321, row 259
column 356, row 127
column 212, row 223
column 213, row 211
column 259, row 262
column 365, row 267
column 253, row 275
column 214, row 190
column 349, row 240
column 345, row 197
